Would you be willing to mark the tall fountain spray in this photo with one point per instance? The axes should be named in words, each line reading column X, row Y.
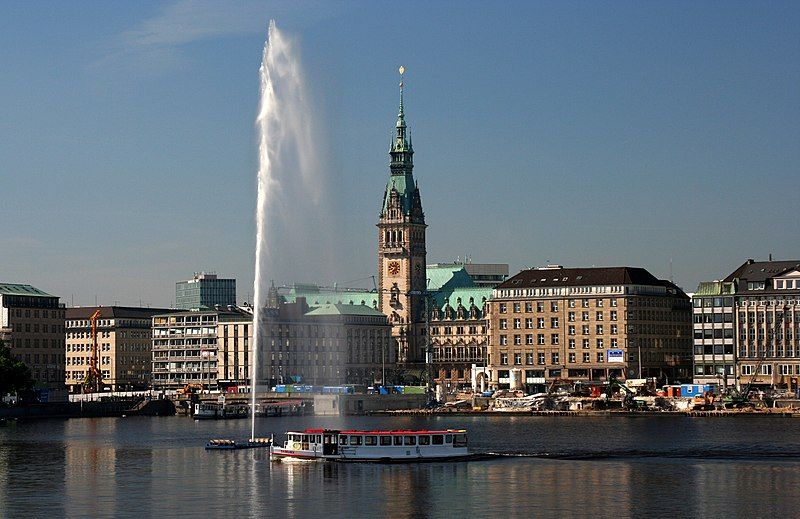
column 288, row 171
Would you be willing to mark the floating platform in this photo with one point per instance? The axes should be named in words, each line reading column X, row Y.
column 221, row 444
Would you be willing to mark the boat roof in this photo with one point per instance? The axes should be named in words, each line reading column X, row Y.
column 395, row 432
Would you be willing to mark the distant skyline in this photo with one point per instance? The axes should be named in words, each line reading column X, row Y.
column 577, row 133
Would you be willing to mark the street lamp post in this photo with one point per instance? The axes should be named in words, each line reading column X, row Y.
column 428, row 347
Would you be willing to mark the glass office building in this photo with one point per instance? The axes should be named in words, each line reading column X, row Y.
column 204, row 291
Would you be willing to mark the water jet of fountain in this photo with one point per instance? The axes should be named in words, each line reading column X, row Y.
column 288, row 171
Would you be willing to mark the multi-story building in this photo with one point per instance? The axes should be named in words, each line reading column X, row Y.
column 32, row 324
column 186, row 347
column 124, row 342
column 234, row 347
column 714, row 333
column 204, row 291
column 457, row 323
column 766, row 320
column 587, row 324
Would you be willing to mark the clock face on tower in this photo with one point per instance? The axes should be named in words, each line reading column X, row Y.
column 393, row 268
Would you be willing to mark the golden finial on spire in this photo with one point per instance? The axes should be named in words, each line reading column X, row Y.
column 402, row 71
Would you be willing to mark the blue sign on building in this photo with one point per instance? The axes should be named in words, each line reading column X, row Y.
column 615, row 356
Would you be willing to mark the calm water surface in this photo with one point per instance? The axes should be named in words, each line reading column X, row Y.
column 556, row 466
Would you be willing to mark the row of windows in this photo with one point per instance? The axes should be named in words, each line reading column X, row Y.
column 554, row 321
column 45, row 314
column 36, row 328
column 766, row 369
column 715, row 333
column 554, row 340
column 39, row 343
column 397, row 440
column 712, row 302
column 555, row 357
column 36, row 358
column 448, row 330
column 80, row 375
column 726, row 317
column 552, row 305
column 770, row 351
column 85, row 361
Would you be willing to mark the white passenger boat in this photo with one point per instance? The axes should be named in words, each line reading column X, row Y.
column 374, row 446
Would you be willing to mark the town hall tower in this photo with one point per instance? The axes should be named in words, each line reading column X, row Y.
column 401, row 248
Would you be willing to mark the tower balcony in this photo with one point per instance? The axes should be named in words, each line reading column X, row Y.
column 394, row 248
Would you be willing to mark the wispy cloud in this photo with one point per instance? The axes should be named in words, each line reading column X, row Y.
column 158, row 43
column 188, row 21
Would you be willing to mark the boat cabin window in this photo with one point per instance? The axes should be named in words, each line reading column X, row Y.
column 342, row 440
column 437, row 439
column 410, row 440
column 319, row 439
column 305, row 438
column 355, row 440
column 398, row 440
column 425, row 440
column 370, row 440
column 448, row 438
column 386, row 440
column 459, row 440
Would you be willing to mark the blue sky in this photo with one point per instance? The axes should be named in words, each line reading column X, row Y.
column 579, row 133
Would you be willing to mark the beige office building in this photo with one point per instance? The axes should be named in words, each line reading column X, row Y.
column 123, row 346
column 587, row 324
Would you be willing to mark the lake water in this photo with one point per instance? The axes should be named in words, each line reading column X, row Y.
column 556, row 466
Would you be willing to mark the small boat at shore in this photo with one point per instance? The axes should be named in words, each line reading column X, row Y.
column 224, row 444
column 373, row 446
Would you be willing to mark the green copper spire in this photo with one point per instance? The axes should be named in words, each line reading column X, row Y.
column 401, row 188
column 401, row 144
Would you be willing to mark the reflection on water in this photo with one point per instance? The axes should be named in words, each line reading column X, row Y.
column 143, row 467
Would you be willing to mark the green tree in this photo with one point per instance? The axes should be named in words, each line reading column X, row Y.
column 15, row 375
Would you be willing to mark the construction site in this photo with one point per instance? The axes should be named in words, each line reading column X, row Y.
column 632, row 396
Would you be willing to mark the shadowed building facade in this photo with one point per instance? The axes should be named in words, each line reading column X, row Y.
column 327, row 344
column 32, row 326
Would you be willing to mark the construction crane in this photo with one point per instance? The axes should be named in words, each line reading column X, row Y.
column 94, row 378
column 735, row 398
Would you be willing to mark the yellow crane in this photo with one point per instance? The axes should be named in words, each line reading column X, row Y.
column 93, row 382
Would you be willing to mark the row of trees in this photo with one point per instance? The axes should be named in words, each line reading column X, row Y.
column 15, row 375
